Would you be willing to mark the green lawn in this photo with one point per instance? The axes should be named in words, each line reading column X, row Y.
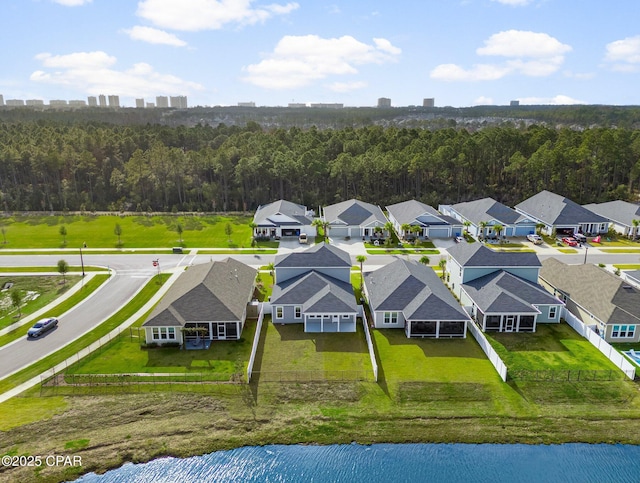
column 567, row 250
column 402, row 251
column 24, row 410
column 72, row 269
column 97, row 231
column 288, row 349
column 627, row 266
column 124, row 355
column 620, row 250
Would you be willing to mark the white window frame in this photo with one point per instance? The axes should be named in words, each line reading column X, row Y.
column 628, row 332
column 163, row 333
column 553, row 312
column 390, row 318
column 297, row 312
column 279, row 312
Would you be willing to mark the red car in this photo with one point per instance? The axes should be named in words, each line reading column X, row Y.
column 570, row 241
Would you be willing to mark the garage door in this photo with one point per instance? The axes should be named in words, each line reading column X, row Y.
column 339, row 231
column 438, row 232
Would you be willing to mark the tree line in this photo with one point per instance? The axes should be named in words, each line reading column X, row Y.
column 56, row 166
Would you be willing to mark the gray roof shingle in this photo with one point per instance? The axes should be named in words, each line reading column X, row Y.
column 414, row 289
column 281, row 212
column 320, row 255
column 603, row 294
column 415, row 212
column 316, row 293
column 478, row 255
column 554, row 209
column 487, row 209
column 621, row 212
column 503, row 292
column 354, row 213
column 216, row 291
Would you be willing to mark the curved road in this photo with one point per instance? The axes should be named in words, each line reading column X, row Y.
column 134, row 270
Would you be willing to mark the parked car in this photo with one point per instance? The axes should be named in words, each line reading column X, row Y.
column 302, row 238
column 580, row 237
column 535, row 239
column 42, row 326
column 568, row 240
column 459, row 239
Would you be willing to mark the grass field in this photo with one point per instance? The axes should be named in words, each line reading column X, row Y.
column 620, row 250
column 97, row 231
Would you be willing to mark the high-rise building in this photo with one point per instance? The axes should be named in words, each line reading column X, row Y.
column 14, row 102
column 1, row 100
column 139, row 103
column 58, row 103
column 384, row 102
column 34, row 102
column 247, row 104
column 514, row 103
column 92, row 101
column 114, row 101
column 178, row 101
column 428, row 102
column 297, row 104
column 162, row 101
column 102, row 100
column 151, row 105
column 77, row 103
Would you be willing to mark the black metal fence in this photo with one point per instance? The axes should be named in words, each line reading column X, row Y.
column 576, row 375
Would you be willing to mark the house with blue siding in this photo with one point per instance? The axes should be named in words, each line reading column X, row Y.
column 409, row 295
column 353, row 218
column 484, row 214
column 283, row 218
column 500, row 289
column 313, row 288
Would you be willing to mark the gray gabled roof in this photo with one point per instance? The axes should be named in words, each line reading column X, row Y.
column 478, row 255
column 621, row 212
column 216, row 291
column 354, row 213
column 414, row 289
column 503, row 292
column 320, row 255
column 316, row 293
column 415, row 212
column 281, row 212
column 603, row 294
column 487, row 209
column 553, row 209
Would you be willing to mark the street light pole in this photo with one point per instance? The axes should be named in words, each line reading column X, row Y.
column 586, row 249
column 82, row 262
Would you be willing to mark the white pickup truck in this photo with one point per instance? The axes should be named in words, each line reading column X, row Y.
column 302, row 238
column 535, row 239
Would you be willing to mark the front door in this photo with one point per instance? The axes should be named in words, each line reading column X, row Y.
column 509, row 323
column 222, row 332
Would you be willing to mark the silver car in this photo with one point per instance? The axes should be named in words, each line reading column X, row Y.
column 42, row 326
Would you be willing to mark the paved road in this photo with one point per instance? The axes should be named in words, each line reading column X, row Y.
column 133, row 271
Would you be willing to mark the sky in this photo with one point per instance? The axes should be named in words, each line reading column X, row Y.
column 275, row 52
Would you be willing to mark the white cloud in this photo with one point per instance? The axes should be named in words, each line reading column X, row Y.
column 93, row 72
column 483, row 101
column 624, row 54
column 72, row 3
column 154, row 36
column 514, row 3
column 559, row 100
column 522, row 43
column 300, row 60
column 527, row 53
column 347, row 86
column 194, row 15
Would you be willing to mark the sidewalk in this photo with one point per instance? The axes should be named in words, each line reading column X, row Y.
column 34, row 381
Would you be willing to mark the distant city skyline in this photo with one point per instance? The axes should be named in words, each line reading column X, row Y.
column 283, row 52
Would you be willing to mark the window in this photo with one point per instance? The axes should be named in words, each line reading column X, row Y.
column 390, row 318
column 163, row 333
column 279, row 312
column 297, row 312
column 553, row 312
column 335, row 318
column 623, row 331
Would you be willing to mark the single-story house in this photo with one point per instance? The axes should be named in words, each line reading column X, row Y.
column 207, row 302
column 313, row 288
column 620, row 214
column 484, row 214
column 432, row 224
column 283, row 218
column 561, row 216
column 603, row 301
column 353, row 218
column 408, row 295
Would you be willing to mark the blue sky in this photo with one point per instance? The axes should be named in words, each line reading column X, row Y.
column 221, row 52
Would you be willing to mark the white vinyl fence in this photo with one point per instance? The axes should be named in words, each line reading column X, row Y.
column 488, row 350
column 603, row 346
column 372, row 354
column 256, row 341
